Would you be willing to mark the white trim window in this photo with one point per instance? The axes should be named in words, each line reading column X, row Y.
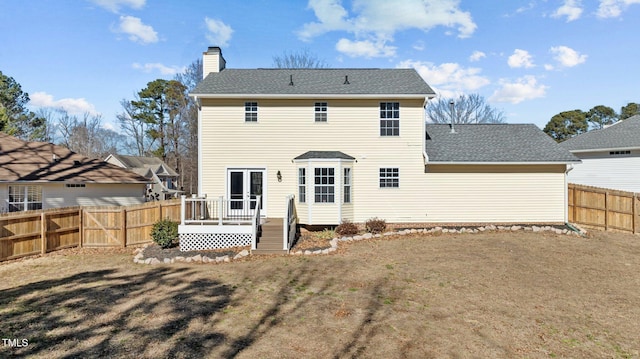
column 389, row 119
column 302, row 185
column 619, row 153
column 346, row 183
column 324, row 188
column 24, row 198
column 389, row 178
column 320, row 111
column 250, row 112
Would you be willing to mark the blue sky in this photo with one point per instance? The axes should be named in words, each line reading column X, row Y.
column 531, row 59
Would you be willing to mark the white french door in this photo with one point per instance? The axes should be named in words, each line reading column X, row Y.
column 244, row 185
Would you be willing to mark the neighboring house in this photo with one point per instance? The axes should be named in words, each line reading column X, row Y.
column 162, row 177
column 352, row 144
column 610, row 156
column 38, row 175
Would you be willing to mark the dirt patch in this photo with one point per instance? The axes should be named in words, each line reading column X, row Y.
column 499, row 294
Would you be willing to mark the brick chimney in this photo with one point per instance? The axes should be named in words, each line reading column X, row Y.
column 212, row 61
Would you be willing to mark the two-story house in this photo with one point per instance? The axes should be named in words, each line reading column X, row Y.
column 610, row 156
column 354, row 144
column 162, row 178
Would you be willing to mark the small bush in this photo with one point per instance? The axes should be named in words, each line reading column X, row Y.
column 375, row 225
column 347, row 228
column 165, row 233
column 325, row 234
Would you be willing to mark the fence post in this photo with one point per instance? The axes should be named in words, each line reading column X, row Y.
column 636, row 213
column 80, row 228
column 575, row 203
column 606, row 210
column 123, row 228
column 183, row 209
column 43, row 233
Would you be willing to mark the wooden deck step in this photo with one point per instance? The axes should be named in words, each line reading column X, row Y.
column 270, row 241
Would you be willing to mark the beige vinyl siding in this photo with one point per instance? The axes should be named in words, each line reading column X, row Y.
column 510, row 194
column 287, row 128
column 599, row 169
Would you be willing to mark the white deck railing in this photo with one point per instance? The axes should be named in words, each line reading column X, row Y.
column 290, row 222
column 220, row 211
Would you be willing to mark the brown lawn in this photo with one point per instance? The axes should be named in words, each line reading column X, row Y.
column 491, row 295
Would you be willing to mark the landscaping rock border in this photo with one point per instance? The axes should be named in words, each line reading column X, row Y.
column 333, row 243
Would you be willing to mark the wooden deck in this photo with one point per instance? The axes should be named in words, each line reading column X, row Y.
column 270, row 239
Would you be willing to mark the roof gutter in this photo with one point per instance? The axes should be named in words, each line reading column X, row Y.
column 606, row 149
column 502, row 163
column 198, row 96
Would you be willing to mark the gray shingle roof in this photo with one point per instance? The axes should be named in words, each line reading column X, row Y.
column 313, row 82
column 622, row 134
column 142, row 164
column 324, row 155
column 495, row 143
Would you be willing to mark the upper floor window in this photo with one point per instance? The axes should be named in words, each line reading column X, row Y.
column 389, row 119
column 302, row 185
column 25, row 198
column 389, row 178
column 321, row 111
column 324, row 181
column 250, row 112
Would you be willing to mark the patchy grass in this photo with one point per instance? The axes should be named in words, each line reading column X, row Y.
column 499, row 295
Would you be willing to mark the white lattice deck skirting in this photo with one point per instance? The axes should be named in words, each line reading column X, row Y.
column 194, row 238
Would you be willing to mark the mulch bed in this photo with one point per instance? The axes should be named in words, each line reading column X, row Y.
column 155, row 251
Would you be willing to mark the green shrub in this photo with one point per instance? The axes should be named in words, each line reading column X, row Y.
column 375, row 225
column 165, row 233
column 347, row 228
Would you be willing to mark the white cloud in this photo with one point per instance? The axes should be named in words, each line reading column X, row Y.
column 572, row 9
column 567, row 57
column 419, row 45
column 137, row 31
column 613, row 8
column 219, row 33
column 164, row 70
column 370, row 20
column 114, row 5
column 449, row 78
column 365, row 48
column 524, row 88
column 476, row 56
column 520, row 58
column 74, row 106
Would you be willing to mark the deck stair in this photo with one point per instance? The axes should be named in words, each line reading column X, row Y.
column 270, row 237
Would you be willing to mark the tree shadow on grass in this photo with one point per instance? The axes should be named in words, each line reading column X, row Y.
column 107, row 314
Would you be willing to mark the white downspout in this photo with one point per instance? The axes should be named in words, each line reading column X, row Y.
column 566, row 193
column 198, row 101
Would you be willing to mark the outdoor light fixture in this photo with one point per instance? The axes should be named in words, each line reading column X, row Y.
column 279, row 175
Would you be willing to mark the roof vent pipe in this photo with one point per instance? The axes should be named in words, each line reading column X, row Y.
column 346, row 80
column 451, row 103
column 290, row 80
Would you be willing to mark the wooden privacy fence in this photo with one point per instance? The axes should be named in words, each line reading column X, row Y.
column 38, row 232
column 605, row 209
